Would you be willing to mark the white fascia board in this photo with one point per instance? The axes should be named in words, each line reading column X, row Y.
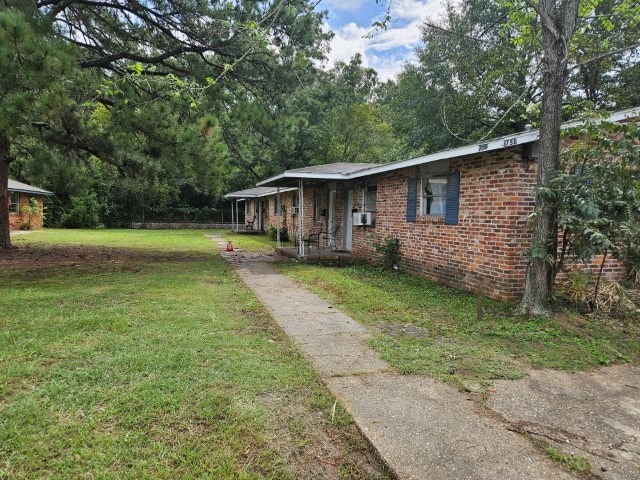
column 243, row 195
column 274, row 192
column 482, row 147
column 273, row 181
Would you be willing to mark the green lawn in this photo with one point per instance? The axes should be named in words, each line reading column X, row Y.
column 424, row 328
column 139, row 354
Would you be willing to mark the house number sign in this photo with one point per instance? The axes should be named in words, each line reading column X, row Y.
column 509, row 142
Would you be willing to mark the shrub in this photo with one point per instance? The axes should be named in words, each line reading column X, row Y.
column 611, row 297
column 272, row 233
column 83, row 212
column 390, row 250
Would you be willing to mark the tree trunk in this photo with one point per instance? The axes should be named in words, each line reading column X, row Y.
column 5, row 159
column 558, row 24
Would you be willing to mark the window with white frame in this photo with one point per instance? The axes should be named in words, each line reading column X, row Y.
column 434, row 195
column 14, row 202
column 370, row 195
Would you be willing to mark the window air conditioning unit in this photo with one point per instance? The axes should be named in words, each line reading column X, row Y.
column 295, row 210
column 362, row 219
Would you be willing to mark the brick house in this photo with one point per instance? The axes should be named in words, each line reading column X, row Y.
column 460, row 215
column 20, row 195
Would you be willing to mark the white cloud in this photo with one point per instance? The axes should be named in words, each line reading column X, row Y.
column 388, row 67
column 389, row 49
column 348, row 40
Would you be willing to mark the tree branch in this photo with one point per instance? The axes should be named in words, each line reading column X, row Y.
column 604, row 55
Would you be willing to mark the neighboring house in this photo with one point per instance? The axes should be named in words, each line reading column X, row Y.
column 21, row 214
column 460, row 215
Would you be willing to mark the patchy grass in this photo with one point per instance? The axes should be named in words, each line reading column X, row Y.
column 139, row 354
column 573, row 463
column 421, row 327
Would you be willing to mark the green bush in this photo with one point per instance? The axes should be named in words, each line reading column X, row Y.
column 272, row 233
column 82, row 213
column 390, row 250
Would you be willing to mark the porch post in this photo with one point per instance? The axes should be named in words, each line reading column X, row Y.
column 237, row 214
column 301, row 219
column 278, row 202
column 233, row 200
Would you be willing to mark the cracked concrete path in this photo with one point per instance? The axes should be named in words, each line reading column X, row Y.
column 592, row 414
column 421, row 429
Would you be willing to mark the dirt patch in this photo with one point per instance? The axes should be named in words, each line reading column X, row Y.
column 402, row 329
column 314, row 447
column 34, row 257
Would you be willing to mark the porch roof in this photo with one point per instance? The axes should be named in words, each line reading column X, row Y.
column 15, row 186
column 256, row 192
column 328, row 172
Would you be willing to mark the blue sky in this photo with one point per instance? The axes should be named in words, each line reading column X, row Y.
column 351, row 21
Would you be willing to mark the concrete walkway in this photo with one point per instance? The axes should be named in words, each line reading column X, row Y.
column 422, row 429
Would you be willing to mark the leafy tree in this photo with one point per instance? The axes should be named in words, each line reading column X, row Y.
column 34, row 70
column 558, row 22
column 598, row 194
column 480, row 70
column 603, row 55
column 150, row 64
column 472, row 80
column 336, row 117
column 358, row 133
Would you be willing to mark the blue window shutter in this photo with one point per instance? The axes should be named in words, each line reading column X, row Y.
column 412, row 199
column 453, row 198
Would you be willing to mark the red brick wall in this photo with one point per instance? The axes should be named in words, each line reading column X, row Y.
column 16, row 220
column 482, row 253
column 290, row 220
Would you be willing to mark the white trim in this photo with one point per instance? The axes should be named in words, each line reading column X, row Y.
column 306, row 175
column 243, row 195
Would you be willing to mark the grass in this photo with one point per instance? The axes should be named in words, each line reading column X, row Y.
column 139, row 354
column 421, row 327
column 573, row 463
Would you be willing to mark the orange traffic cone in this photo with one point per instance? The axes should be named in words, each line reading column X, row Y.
column 229, row 247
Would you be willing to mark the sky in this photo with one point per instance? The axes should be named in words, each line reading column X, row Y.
column 386, row 51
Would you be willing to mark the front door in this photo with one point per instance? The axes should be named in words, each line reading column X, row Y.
column 347, row 220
